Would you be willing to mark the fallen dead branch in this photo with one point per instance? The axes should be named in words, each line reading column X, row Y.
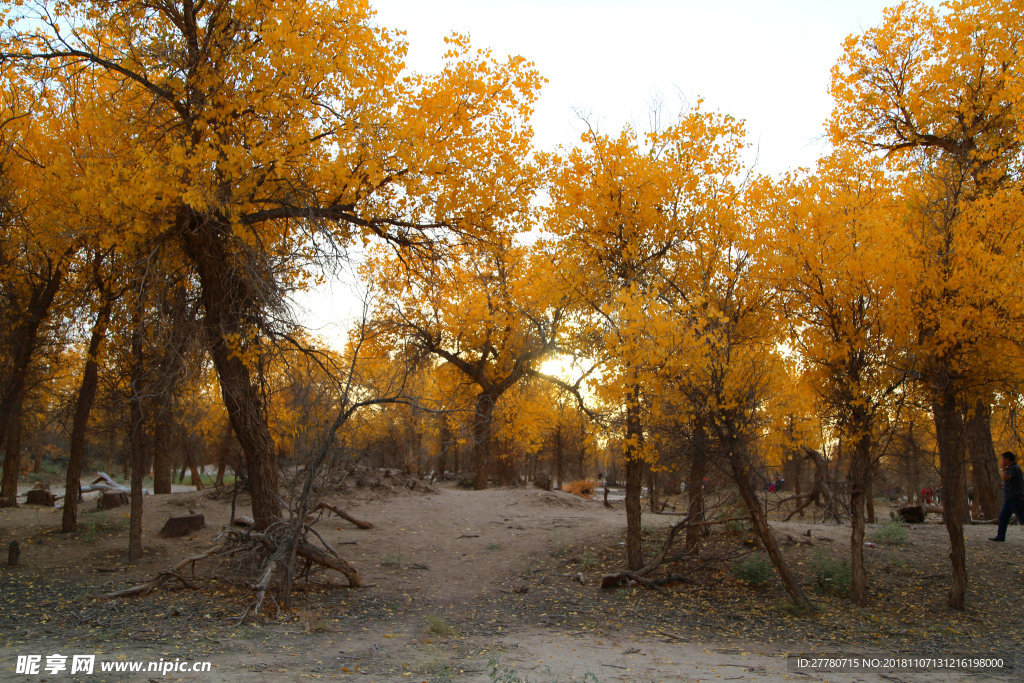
column 341, row 513
column 173, row 572
column 640, row 575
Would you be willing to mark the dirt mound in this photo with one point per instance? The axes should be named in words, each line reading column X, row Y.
column 558, row 499
column 382, row 481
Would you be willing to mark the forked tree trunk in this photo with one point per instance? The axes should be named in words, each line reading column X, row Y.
column 482, row 421
column 984, row 466
column 22, row 345
column 226, row 298
column 80, row 424
column 193, row 468
column 949, row 434
column 742, row 475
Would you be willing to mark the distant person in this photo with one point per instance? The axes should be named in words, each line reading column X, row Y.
column 1013, row 495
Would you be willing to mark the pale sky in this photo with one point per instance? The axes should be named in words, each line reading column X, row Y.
column 767, row 62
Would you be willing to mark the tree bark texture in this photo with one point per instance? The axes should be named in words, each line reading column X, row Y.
column 984, row 464
column 80, row 423
column 949, row 432
column 742, row 476
column 483, row 418
column 226, row 298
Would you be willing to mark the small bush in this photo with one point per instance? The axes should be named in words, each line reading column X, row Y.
column 756, row 571
column 891, row 533
column 494, row 546
column 584, row 488
column 831, row 574
column 438, row 626
column 393, row 560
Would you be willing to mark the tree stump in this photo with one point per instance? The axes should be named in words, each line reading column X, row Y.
column 182, row 525
column 40, row 497
column 110, row 500
column 912, row 514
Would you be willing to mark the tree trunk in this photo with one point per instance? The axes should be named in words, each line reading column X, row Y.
column 984, row 465
column 559, row 454
column 227, row 300
column 652, row 490
column 858, row 479
column 741, row 474
column 949, row 434
column 695, row 486
column 22, row 345
column 80, row 424
column 635, row 467
column 197, row 479
column 482, row 420
column 136, row 441
column 871, row 502
column 12, row 453
column 444, row 438
column 162, row 469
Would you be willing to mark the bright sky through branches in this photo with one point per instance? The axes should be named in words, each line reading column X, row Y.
column 766, row 62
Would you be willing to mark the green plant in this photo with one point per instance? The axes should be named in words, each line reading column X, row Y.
column 831, row 574
column 438, row 626
column 494, row 546
column 891, row 533
column 755, row 570
column 393, row 560
column 499, row 673
column 588, row 560
column 441, row 672
column 736, row 527
column 93, row 524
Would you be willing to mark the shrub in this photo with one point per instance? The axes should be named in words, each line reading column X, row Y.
column 438, row 626
column 831, row 574
column 584, row 488
column 754, row 570
column 891, row 533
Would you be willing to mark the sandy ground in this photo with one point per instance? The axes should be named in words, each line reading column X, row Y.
column 467, row 585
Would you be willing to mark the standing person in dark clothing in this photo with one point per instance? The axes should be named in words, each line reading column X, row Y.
column 1013, row 495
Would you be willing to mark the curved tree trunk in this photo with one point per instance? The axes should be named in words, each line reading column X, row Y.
column 226, row 297
column 80, row 424
column 949, row 433
column 741, row 474
column 22, row 345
